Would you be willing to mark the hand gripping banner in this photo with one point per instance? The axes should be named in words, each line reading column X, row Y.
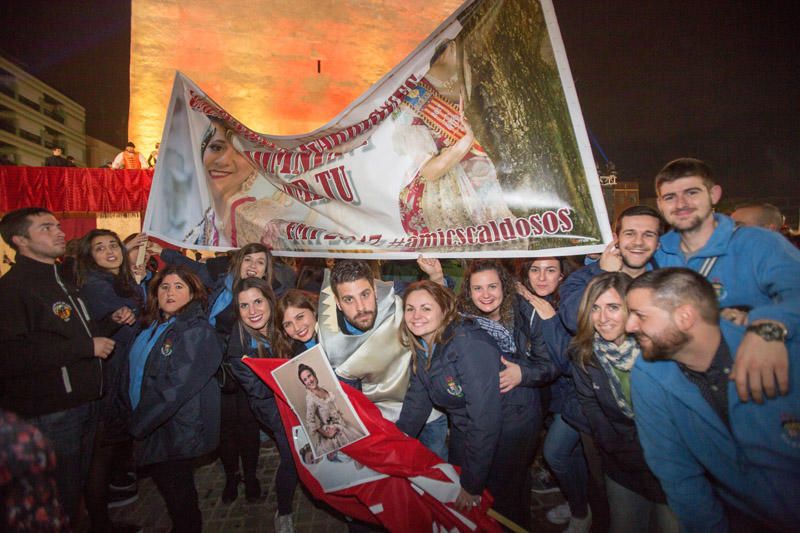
column 473, row 145
column 397, row 483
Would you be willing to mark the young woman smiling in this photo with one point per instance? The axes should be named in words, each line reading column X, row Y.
column 603, row 356
column 296, row 321
column 169, row 390
column 253, row 336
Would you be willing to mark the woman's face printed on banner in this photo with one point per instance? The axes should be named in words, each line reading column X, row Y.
column 227, row 169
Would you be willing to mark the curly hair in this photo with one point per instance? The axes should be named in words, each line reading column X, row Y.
column 465, row 303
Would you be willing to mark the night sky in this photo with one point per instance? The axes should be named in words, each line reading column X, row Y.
column 714, row 79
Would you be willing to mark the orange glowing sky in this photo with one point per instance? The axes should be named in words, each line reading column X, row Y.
column 258, row 59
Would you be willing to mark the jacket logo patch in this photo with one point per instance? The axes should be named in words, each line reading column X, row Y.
column 62, row 310
column 453, row 388
column 166, row 348
column 790, row 425
column 719, row 288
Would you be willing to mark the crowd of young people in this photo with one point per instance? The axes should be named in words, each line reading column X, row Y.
column 656, row 359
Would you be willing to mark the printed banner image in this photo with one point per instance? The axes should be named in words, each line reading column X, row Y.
column 324, row 410
column 473, row 145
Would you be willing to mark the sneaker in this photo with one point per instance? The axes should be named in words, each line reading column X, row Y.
column 283, row 523
column 542, row 482
column 122, row 481
column 580, row 525
column 559, row 514
column 121, row 498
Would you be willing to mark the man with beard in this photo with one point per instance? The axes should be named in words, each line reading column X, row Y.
column 723, row 463
column 635, row 241
column 755, row 272
column 359, row 323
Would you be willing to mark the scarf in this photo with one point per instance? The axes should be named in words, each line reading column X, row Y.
column 222, row 302
column 622, row 357
column 503, row 337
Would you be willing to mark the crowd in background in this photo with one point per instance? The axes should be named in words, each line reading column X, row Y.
column 657, row 379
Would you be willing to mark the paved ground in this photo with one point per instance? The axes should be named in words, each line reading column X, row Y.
column 149, row 511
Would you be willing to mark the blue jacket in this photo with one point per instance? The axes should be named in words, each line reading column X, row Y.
column 463, row 380
column 756, row 268
column 614, row 433
column 179, row 411
column 700, row 463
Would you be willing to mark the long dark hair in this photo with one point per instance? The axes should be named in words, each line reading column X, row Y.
column 262, row 340
column 124, row 284
column 284, row 344
column 566, row 265
column 582, row 344
column 465, row 304
column 198, row 291
column 446, row 301
column 235, row 268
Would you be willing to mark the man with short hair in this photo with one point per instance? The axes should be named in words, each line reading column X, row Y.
column 57, row 159
column 51, row 364
column 129, row 159
column 755, row 272
column 759, row 214
column 723, row 463
column 359, row 322
column 635, row 240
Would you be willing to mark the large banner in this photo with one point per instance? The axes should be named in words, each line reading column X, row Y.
column 473, row 145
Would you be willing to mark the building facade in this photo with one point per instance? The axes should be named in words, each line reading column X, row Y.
column 35, row 117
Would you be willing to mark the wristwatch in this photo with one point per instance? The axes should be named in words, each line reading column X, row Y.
column 769, row 331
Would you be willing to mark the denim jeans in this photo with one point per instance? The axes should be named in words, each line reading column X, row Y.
column 564, row 454
column 633, row 513
column 71, row 432
column 434, row 436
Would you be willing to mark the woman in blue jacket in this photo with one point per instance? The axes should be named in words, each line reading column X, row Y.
column 540, row 279
column 239, row 426
column 171, row 394
column 107, row 286
column 456, row 368
column 253, row 336
column 603, row 356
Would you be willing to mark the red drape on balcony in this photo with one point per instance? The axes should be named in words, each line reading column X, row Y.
column 62, row 189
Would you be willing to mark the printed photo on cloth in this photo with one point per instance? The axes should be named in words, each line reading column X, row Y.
column 473, row 145
column 334, row 471
column 324, row 410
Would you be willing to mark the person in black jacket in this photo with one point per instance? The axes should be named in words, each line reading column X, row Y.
column 168, row 391
column 51, row 353
column 603, row 356
column 456, row 368
column 106, row 284
column 253, row 336
column 489, row 292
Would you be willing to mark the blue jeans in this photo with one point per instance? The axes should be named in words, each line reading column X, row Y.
column 564, row 454
column 434, row 435
column 632, row 513
column 71, row 432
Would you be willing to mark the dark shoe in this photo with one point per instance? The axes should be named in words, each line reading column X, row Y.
column 252, row 489
column 123, row 527
column 231, row 490
column 122, row 481
column 121, row 498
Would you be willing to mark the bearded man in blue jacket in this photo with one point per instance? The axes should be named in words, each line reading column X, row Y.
column 725, row 464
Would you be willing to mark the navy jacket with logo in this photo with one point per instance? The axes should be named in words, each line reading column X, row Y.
column 47, row 361
column 179, row 410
